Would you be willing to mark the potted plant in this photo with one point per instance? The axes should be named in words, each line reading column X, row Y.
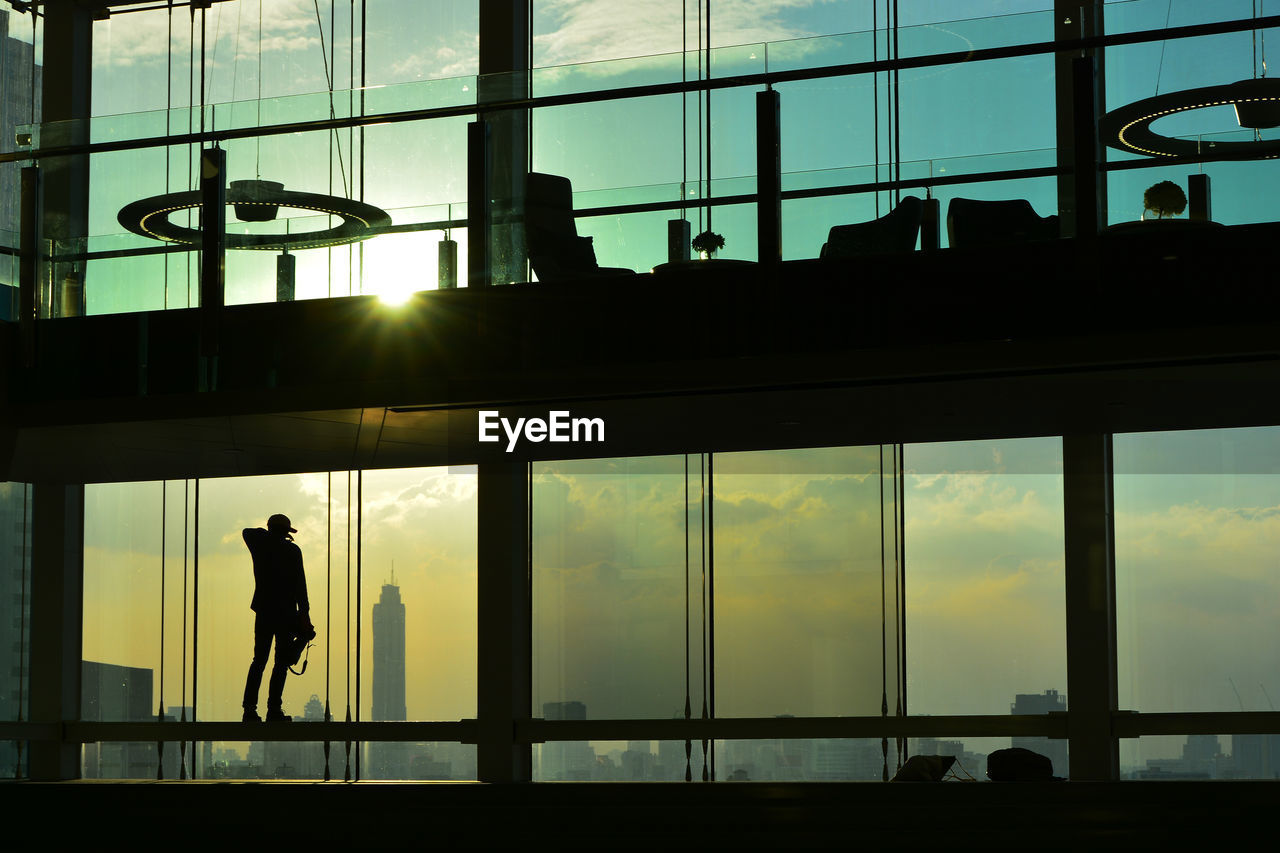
column 707, row 244
column 1165, row 199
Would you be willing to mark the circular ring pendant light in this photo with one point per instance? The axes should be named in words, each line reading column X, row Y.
column 1257, row 102
column 256, row 201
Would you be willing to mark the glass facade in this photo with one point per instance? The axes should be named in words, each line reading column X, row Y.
column 786, row 606
column 168, row 560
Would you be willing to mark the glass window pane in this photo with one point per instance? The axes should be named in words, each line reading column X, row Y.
column 616, row 761
column 986, row 617
column 418, row 596
column 123, row 579
column 1196, row 538
column 615, row 629
column 799, row 588
column 1170, row 758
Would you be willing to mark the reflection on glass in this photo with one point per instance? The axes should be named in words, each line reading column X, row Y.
column 123, row 578
column 1180, row 757
column 806, row 760
column 418, row 599
column 1197, row 528
column 986, row 613
column 274, row 760
column 615, row 631
column 617, row 761
column 800, row 595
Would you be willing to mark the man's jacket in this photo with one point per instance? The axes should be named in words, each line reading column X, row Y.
column 280, row 586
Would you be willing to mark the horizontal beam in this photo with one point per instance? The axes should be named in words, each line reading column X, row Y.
column 463, row 731
column 1130, row 724
column 782, row 728
column 1124, row 724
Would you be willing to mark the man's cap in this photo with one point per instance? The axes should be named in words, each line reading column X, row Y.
column 278, row 520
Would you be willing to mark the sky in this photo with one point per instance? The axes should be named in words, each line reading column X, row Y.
column 1195, row 514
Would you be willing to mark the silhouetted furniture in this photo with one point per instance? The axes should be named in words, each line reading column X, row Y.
column 556, row 251
column 973, row 223
column 704, row 265
column 896, row 231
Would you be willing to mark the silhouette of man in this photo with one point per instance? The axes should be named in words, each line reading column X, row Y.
column 280, row 602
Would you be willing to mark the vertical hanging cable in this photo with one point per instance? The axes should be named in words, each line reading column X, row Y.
column 203, row 30
column 35, row 39
column 363, row 83
column 168, row 116
column 359, row 555
column 195, row 622
column 897, row 114
column 328, row 606
column 684, row 149
column 351, row 133
column 257, row 139
column 347, row 765
column 709, row 117
column 702, row 553
column 192, row 181
column 710, row 534
column 1160, row 65
column 22, row 609
column 164, row 507
column 334, row 134
column 902, row 575
column 182, row 709
column 688, row 705
column 899, row 595
column 884, row 644
column 875, row 103
column 702, row 226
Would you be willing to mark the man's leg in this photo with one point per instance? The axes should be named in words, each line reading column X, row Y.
column 262, row 635
column 275, row 687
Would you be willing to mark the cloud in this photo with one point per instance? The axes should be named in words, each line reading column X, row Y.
column 142, row 37
column 579, row 31
column 429, row 63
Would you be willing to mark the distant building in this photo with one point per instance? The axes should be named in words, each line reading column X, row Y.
column 1201, row 759
column 566, row 761
column 1255, row 757
column 388, row 655
column 297, row 759
column 314, row 710
column 1048, row 702
column 113, row 693
column 388, row 760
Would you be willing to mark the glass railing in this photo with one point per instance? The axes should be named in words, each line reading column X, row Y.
column 635, row 160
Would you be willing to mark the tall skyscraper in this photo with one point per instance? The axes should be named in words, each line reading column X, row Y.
column 388, row 655
column 1047, row 702
column 388, row 760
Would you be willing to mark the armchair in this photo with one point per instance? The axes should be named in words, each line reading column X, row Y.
column 973, row 223
column 896, row 231
column 556, row 252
